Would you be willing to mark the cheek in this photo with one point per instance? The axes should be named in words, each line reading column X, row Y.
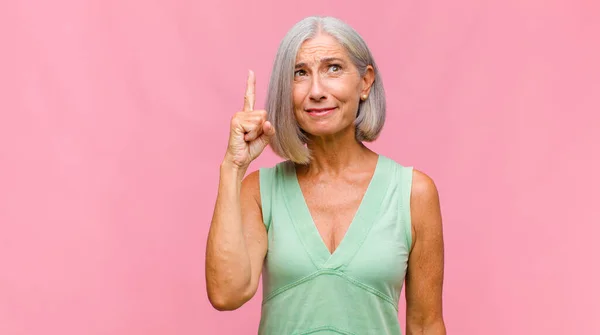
column 343, row 89
column 298, row 95
column 345, row 95
column 298, row 100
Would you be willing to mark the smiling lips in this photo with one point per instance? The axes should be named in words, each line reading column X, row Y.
column 319, row 111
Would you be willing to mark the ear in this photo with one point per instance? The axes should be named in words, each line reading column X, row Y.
column 367, row 80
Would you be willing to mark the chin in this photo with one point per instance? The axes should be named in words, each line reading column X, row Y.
column 326, row 127
column 323, row 131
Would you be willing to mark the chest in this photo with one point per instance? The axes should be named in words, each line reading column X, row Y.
column 352, row 227
column 333, row 206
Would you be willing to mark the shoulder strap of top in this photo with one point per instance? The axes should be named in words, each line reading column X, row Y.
column 405, row 178
column 267, row 187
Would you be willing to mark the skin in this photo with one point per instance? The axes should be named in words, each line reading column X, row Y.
column 333, row 184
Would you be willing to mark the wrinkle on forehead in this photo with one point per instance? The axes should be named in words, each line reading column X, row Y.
column 313, row 51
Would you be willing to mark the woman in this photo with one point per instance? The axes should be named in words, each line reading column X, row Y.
column 335, row 229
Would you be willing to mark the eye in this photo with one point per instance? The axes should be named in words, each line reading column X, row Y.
column 299, row 73
column 335, row 67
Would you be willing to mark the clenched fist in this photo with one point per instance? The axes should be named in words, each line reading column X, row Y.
column 250, row 131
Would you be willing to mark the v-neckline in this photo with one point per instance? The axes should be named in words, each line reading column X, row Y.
column 365, row 215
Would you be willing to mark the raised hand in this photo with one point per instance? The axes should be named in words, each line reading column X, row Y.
column 250, row 132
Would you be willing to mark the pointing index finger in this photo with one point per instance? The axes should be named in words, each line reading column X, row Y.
column 249, row 97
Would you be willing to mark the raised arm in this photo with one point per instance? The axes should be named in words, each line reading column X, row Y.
column 237, row 239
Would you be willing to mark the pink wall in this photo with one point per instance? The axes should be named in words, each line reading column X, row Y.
column 114, row 119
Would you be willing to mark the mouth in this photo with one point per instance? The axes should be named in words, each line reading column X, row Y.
column 320, row 111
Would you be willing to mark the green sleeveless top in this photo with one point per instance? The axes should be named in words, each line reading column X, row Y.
column 355, row 290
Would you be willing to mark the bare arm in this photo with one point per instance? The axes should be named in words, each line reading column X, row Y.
column 424, row 279
column 237, row 239
column 237, row 242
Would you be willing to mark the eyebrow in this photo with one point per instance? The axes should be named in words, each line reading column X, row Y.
column 323, row 60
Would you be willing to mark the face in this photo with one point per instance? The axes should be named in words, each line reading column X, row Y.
column 327, row 87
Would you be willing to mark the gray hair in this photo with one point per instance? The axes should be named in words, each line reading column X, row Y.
column 289, row 140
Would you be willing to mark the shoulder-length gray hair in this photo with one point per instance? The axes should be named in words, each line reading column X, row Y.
column 289, row 140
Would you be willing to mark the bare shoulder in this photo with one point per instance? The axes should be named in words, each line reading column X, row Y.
column 251, row 187
column 424, row 202
column 423, row 188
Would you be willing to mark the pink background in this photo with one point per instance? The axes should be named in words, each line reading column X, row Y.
column 114, row 119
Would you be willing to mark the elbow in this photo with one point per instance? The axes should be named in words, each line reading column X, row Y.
column 227, row 295
column 227, row 301
column 223, row 304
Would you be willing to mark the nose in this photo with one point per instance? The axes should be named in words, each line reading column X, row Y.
column 317, row 90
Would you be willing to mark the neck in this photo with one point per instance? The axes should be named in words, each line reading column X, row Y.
column 336, row 153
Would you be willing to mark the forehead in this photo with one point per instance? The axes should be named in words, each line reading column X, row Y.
column 319, row 47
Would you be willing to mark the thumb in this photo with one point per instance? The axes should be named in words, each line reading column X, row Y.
column 268, row 132
column 268, row 129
